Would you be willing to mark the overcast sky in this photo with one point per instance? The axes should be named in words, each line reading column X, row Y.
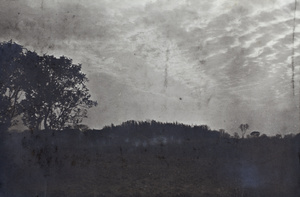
column 214, row 62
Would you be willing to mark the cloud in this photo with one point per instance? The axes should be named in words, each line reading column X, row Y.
column 47, row 25
column 231, row 59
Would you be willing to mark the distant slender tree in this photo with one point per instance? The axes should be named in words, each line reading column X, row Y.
column 11, row 83
column 244, row 128
column 56, row 94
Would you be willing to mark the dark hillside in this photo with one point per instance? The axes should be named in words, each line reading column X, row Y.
column 148, row 159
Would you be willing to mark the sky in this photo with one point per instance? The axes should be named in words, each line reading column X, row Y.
column 214, row 62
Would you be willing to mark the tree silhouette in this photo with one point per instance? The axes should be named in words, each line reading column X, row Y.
column 11, row 55
column 56, row 94
column 47, row 91
column 244, row 128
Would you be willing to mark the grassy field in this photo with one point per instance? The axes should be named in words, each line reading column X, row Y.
column 133, row 162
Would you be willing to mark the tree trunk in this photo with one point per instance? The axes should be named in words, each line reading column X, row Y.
column 38, row 123
column 45, row 123
column 46, row 126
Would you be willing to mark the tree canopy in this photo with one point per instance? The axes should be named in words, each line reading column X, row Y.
column 11, row 56
column 54, row 91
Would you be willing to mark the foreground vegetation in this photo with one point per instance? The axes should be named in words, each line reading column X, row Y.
column 147, row 159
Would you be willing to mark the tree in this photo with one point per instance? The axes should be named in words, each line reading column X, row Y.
column 11, row 83
column 45, row 90
column 236, row 135
column 244, row 128
column 56, row 94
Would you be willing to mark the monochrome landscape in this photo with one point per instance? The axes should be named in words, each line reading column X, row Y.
column 149, row 98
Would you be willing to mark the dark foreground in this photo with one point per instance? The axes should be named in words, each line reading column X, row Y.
column 156, row 160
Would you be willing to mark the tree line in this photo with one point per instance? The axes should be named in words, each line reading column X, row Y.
column 42, row 90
